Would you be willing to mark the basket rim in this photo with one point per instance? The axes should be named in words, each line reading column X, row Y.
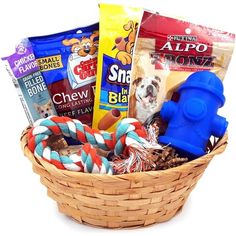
column 44, row 165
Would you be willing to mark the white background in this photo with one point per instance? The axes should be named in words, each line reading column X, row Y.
column 24, row 207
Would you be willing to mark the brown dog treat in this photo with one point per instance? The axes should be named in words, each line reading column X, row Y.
column 120, row 43
column 109, row 119
column 72, row 149
column 57, row 142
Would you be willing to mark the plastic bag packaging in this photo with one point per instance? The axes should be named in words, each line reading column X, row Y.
column 68, row 63
column 167, row 51
column 29, row 82
column 118, row 28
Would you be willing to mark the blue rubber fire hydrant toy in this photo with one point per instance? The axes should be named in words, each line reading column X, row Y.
column 193, row 119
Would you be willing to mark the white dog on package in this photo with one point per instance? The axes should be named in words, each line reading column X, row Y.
column 147, row 98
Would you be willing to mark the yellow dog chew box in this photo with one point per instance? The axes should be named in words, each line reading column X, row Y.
column 118, row 29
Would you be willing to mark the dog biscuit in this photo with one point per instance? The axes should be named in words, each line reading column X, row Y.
column 118, row 28
column 167, row 51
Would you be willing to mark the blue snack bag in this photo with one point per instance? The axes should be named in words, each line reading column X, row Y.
column 68, row 63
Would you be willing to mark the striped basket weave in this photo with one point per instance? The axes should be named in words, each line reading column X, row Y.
column 119, row 201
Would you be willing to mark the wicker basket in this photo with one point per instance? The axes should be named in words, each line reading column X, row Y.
column 119, row 201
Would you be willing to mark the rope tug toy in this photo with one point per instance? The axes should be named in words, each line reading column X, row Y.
column 129, row 132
